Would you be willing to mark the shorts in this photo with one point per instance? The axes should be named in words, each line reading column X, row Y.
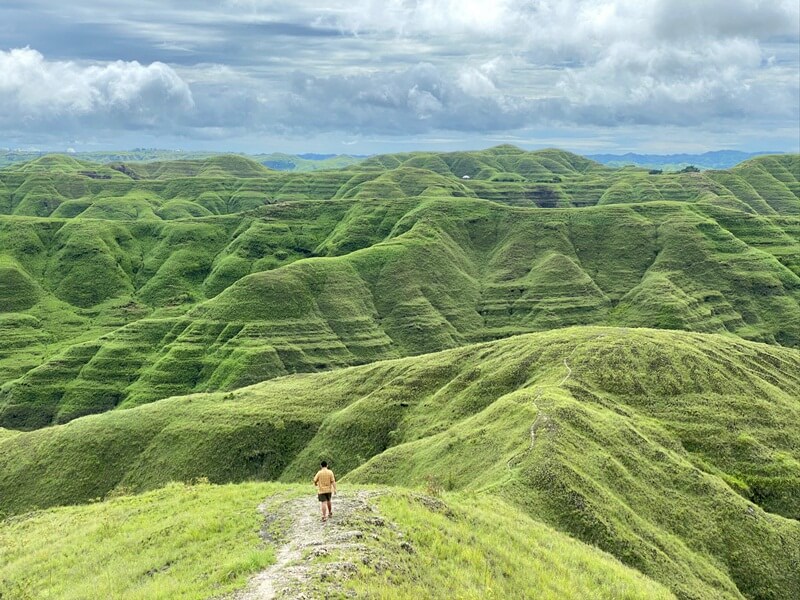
column 324, row 497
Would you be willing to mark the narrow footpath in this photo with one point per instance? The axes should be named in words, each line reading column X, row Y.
column 313, row 558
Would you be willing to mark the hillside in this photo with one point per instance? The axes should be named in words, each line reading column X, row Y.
column 109, row 313
column 203, row 540
column 649, row 444
column 61, row 186
column 278, row 161
column 530, row 372
column 304, row 163
column 281, row 161
column 226, row 165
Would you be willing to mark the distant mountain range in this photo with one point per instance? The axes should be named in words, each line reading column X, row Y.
column 279, row 161
column 718, row 159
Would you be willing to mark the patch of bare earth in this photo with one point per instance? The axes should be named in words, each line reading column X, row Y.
column 313, row 558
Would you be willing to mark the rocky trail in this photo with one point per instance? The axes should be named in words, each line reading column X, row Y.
column 314, row 558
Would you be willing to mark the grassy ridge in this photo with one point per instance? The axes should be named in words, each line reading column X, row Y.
column 181, row 541
column 719, row 159
column 113, row 314
column 481, row 547
column 7, row 433
column 125, row 284
column 672, row 451
column 201, row 541
column 276, row 160
column 61, row 186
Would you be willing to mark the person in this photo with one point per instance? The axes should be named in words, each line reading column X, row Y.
column 326, row 485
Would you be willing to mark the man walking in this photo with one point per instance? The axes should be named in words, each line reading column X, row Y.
column 326, row 485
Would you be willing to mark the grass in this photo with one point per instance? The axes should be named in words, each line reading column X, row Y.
column 201, row 541
column 181, row 541
column 57, row 185
column 199, row 304
column 668, row 450
column 7, row 433
column 124, row 288
column 276, row 160
column 475, row 547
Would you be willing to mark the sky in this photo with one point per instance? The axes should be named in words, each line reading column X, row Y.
column 369, row 76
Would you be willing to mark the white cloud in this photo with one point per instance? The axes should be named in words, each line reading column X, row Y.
column 726, row 18
column 428, row 16
column 670, row 82
column 411, row 67
column 479, row 81
column 566, row 20
column 422, row 103
column 586, row 61
column 416, row 99
column 38, row 92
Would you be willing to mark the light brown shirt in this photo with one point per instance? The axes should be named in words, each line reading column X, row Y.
column 324, row 480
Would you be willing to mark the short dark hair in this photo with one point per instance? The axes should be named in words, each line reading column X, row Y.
column 323, row 464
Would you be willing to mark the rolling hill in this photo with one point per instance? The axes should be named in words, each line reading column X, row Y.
column 651, row 445
column 61, row 186
column 591, row 375
column 203, row 541
column 106, row 313
column 278, row 161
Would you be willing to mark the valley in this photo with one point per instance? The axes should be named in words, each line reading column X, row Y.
column 543, row 372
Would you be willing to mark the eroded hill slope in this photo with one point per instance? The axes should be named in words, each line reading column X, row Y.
column 674, row 451
column 105, row 314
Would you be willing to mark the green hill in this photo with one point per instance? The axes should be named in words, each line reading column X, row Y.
column 491, row 164
column 200, row 541
column 54, row 165
column 649, row 444
column 280, row 161
column 225, row 165
column 521, row 364
column 719, row 159
column 62, row 186
column 276, row 160
column 135, row 311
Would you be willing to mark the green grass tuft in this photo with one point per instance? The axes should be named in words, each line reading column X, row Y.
column 477, row 547
column 182, row 541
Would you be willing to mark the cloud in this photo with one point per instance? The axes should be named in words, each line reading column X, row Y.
column 673, row 84
column 223, row 69
column 430, row 16
column 38, row 93
column 728, row 18
column 591, row 62
column 480, row 81
column 416, row 99
column 566, row 20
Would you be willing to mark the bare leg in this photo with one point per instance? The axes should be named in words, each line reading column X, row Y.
column 323, row 506
column 330, row 508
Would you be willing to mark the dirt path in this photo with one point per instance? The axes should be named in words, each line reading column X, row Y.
column 541, row 418
column 296, row 573
column 540, row 415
